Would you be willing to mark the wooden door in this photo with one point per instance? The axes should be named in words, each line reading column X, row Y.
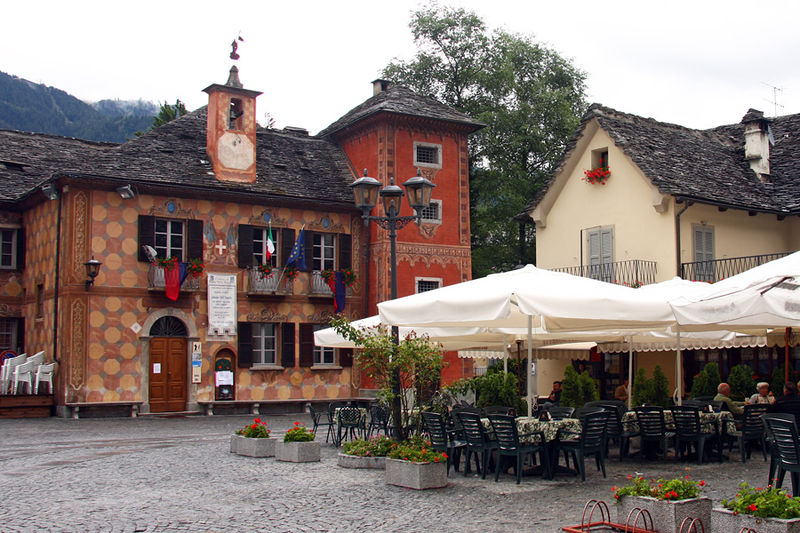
column 167, row 374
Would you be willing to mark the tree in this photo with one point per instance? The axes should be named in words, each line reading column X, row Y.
column 168, row 113
column 530, row 98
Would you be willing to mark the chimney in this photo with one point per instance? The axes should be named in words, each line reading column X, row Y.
column 379, row 86
column 757, row 142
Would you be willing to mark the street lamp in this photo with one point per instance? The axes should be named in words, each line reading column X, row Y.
column 92, row 270
column 366, row 191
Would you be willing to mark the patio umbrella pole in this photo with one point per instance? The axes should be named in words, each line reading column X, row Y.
column 531, row 377
column 630, row 372
column 786, row 334
column 678, row 382
column 505, row 355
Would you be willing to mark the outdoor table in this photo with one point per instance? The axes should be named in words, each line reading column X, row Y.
column 721, row 422
column 362, row 410
column 551, row 429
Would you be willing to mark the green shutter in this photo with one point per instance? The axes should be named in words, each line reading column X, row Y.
column 147, row 235
column 306, row 345
column 245, row 356
column 194, row 248
column 287, row 345
column 245, row 246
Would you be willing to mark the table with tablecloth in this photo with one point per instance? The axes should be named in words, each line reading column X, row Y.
column 529, row 428
column 709, row 422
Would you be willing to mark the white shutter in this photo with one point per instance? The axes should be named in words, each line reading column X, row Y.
column 606, row 245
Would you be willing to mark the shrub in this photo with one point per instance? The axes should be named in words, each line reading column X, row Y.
column 763, row 503
column 673, row 489
column 714, row 377
column 299, row 433
column 570, row 389
column 374, row 447
column 705, row 383
column 642, row 388
column 256, row 430
column 587, row 388
column 779, row 378
column 498, row 389
column 659, row 388
column 740, row 378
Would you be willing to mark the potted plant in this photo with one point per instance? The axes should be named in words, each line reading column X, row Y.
column 598, row 175
column 766, row 510
column 166, row 263
column 415, row 465
column 291, row 273
column 365, row 453
column 195, row 267
column 298, row 446
column 253, row 440
column 265, row 270
column 668, row 501
column 349, row 277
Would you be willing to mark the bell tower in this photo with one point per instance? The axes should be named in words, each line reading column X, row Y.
column 231, row 128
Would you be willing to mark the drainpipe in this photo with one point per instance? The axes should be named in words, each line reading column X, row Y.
column 678, row 236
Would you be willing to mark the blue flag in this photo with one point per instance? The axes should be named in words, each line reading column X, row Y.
column 298, row 255
column 339, row 292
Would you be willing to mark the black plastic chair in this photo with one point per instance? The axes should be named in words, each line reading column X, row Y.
column 652, row 427
column 783, row 428
column 349, row 423
column 591, row 441
column 752, row 430
column 378, row 420
column 688, row 430
column 498, row 410
column 559, row 412
column 616, row 430
column 320, row 419
column 442, row 440
column 478, row 442
column 705, row 399
column 582, row 412
column 508, row 444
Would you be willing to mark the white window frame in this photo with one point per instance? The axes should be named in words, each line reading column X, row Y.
column 169, row 250
column 438, row 204
column 262, row 354
column 598, row 260
column 3, row 242
column 318, row 256
column 419, row 278
column 260, row 246
column 437, row 147
column 701, row 255
column 323, row 356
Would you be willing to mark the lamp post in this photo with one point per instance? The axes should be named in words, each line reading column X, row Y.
column 366, row 191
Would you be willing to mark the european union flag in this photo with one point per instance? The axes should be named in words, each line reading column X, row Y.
column 298, row 255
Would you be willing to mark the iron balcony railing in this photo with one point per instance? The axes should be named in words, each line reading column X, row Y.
column 155, row 280
column 272, row 284
column 718, row 269
column 319, row 287
column 633, row 272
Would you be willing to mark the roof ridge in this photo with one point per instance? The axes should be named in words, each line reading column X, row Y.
column 61, row 137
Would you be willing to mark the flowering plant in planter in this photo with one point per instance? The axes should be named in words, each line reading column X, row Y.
column 299, row 433
column 769, row 502
column 291, row 272
column 256, row 430
column 195, row 267
column 328, row 275
column 379, row 446
column 416, row 450
column 265, row 270
column 673, row 489
column 349, row 277
column 597, row 175
column 167, row 263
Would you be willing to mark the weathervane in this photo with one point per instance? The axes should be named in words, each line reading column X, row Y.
column 234, row 47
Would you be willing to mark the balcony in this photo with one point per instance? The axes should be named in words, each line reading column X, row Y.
column 155, row 280
column 633, row 272
column 718, row 269
column 318, row 286
column 272, row 284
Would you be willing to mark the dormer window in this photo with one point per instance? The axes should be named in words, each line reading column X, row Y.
column 235, row 115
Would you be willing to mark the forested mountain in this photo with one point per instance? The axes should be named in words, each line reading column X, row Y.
column 28, row 106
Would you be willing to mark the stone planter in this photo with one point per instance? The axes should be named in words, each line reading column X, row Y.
column 251, row 447
column 667, row 515
column 725, row 520
column 297, row 452
column 356, row 461
column 419, row 476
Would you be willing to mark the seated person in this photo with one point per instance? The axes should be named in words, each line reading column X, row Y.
column 763, row 395
column 555, row 394
column 789, row 403
column 724, row 396
column 621, row 393
column 789, row 393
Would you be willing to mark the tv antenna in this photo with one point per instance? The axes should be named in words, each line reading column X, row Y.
column 774, row 101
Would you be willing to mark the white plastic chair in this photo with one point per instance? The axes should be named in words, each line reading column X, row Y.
column 36, row 360
column 7, row 371
column 44, row 374
column 23, row 374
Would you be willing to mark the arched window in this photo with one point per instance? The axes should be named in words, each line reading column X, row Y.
column 168, row 326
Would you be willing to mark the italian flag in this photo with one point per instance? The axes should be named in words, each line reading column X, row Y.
column 270, row 244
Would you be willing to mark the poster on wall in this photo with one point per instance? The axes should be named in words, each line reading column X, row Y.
column 221, row 304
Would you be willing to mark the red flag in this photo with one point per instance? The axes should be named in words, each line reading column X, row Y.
column 172, row 282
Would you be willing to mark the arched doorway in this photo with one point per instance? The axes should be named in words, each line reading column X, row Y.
column 168, row 365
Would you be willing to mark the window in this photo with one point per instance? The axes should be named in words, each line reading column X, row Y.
column 600, row 158
column 427, row 155
column 433, row 213
column 40, row 300
column 704, row 253
column 323, row 356
column 8, row 248
column 10, row 334
column 265, row 344
column 428, row 284
column 260, row 238
column 324, row 251
column 169, row 238
column 601, row 254
column 236, row 112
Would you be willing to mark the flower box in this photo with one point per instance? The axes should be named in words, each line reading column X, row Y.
column 725, row 520
column 418, row 476
column 667, row 514
column 357, row 461
column 253, row 447
column 297, row 452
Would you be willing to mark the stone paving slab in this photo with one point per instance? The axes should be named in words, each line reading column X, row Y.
column 177, row 474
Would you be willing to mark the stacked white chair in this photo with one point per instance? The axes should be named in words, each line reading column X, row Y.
column 7, row 371
column 44, row 374
column 36, row 360
column 23, row 374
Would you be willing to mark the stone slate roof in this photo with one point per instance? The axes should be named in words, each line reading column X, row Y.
column 289, row 165
column 703, row 165
column 402, row 101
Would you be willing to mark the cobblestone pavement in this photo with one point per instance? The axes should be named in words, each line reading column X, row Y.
column 176, row 474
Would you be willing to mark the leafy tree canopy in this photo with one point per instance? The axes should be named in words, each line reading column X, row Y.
column 168, row 112
column 530, row 98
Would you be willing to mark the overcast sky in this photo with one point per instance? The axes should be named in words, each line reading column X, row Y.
column 696, row 63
